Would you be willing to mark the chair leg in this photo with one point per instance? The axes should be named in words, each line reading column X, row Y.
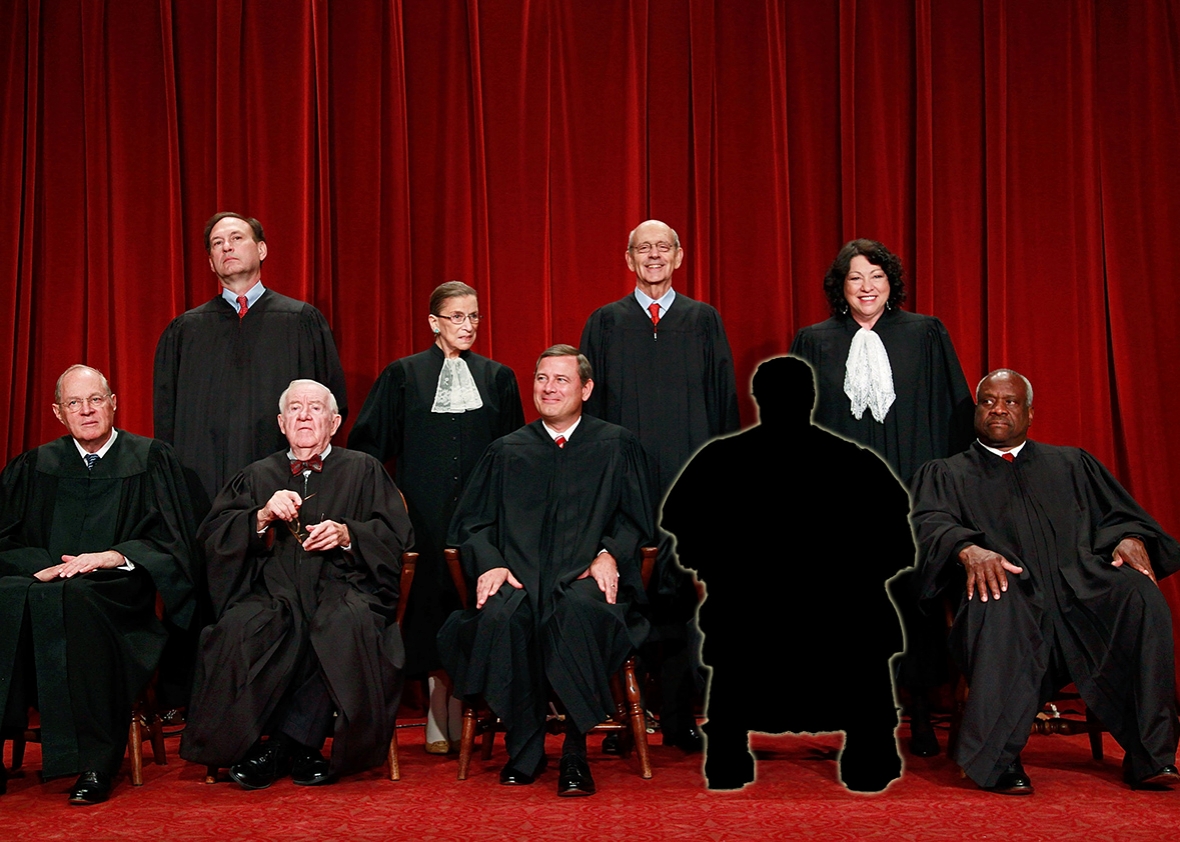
column 159, row 756
column 135, row 748
column 638, row 721
column 18, row 750
column 1095, row 728
column 395, row 772
column 467, row 740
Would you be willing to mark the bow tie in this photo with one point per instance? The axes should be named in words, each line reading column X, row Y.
column 315, row 463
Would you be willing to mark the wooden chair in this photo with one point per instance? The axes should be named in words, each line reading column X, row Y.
column 405, row 584
column 628, row 722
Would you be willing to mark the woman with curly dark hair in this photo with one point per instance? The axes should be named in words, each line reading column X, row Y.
column 891, row 381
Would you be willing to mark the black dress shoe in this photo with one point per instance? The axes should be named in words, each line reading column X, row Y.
column 263, row 765
column 311, row 769
column 612, row 744
column 511, row 776
column 1164, row 778
column 575, row 778
column 91, row 788
column 923, row 742
column 688, row 740
column 1012, row 781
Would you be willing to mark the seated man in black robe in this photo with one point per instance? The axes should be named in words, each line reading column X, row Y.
column 92, row 526
column 304, row 554
column 549, row 528
column 1055, row 567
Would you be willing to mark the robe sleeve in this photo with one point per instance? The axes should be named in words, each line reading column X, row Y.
column 956, row 409
column 1116, row 516
column 163, row 542
column 164, row 375
column 16, row 557
column 631, row 526
column 942, row 528
column 721, row 390
column 234, row 551
column 316, row 337
column 474, row 529
column 379, row 533
column 592, row 346
column 380, row 427
column 511, row 416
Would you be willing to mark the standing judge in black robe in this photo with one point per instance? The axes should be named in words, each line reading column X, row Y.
column 304, row 554
column 549, row 528
column 220, row 366
column 435, row 413
column 83, row 551
column 668, row 377
column 1056, row 566
column 891, row 380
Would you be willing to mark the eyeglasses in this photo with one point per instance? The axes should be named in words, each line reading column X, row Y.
column 646, row 248
column 75, row 404
column 459, row 318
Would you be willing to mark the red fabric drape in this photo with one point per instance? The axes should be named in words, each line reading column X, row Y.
column 1019, row 156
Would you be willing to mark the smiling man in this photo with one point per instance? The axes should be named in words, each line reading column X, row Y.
column 304, row 554
column 1054, row 567
column 549, row 528
column 92, row 527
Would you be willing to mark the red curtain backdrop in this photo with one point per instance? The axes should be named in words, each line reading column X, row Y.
column 1019, row 155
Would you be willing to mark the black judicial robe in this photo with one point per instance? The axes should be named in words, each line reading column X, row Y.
column 95, row 637
column 435, row 453
column 274, row 602
column 218, row 379
column 1059, row 514
column 931, row 416
column 674, row 389
column 544, row 513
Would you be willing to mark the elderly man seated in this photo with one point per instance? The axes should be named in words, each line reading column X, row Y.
column 92, row 526
column 550, row 527
column 303, row 551
column 1055, row 569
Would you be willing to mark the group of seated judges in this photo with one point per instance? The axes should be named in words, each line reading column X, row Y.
column 276, row 554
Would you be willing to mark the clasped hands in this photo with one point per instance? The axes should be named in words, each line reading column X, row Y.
column 987, row 570
column 604, row 570
column 285, row 505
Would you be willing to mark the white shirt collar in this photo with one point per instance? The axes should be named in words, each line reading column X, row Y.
column 252, row 295
column 665, row 300
column 1014, row 451
column 324, row 455
column 567, row 432
column 102, row 451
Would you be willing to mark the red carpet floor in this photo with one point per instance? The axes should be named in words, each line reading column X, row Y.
column 797, row 796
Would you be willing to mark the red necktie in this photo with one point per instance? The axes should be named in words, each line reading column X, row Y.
column 1008, row 457
column 242, row 306
column 654, row 308
column 560, row 440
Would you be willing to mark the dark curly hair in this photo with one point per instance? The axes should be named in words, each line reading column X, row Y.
column 874, row 253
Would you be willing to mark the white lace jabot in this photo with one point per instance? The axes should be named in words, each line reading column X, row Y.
column 456, row 390
column 868, row 377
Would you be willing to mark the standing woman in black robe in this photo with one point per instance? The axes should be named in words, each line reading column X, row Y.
column 891, row 381
column 435, row 413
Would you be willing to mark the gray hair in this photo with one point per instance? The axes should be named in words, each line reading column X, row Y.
column 1010, row 373
column 77, row 367
column 332, row 405
column 631, row 236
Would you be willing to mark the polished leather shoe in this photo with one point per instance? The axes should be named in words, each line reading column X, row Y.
column 311, row 769
column 262, row 766
column 1164, row 778
column 511, row 776
column 612, row 744
column 575, row 778
column 689, row 740
column 1012, row 781
column 91, row 788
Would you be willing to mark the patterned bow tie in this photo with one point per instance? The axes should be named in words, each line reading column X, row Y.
column 298, row 466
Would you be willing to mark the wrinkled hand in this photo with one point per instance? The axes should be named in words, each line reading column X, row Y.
column 73, row 565
column 1131, row 551
column 283, row 505
column 488, row 583
column 605, row 571
column 985, row 570
column 326, row 535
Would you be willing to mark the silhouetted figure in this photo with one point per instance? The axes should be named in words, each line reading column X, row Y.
column 798, row 626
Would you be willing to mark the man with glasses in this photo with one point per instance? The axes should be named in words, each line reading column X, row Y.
column 665, row 372
column 92, row 527
column 304, row 557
